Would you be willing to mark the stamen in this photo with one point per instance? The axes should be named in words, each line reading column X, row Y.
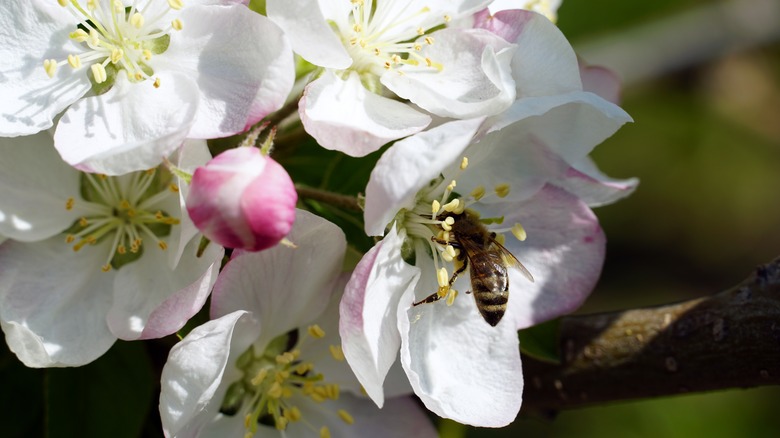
column 519, row 232
column 443, row 277
column 324, row 432
column 99, row 73
column 50, row 66
column 452, row 205
column 74, row 61
column 464, row 163
column 502, row 190
column 478, row 193
column 336, row 352
column 345, row 417
column 175, row 4
column 316, row 331
column 451, row 297
column 176, row 24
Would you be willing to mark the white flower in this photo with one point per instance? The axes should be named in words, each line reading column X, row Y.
column 92, row 258
column 272, row 358
column 134, row 78
column 372, row 50
column 548, row 8
column 463, row 363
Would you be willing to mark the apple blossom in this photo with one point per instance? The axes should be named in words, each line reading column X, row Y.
column 271, row 358
column 242, row 199
column 135, row 78
column 548, row 8
column 372, row 51
column 517, row 180
column 91, row 258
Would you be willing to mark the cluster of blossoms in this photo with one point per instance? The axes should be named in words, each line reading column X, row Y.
column 115, row 219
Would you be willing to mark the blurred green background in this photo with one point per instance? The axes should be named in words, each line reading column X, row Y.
column 703, row 85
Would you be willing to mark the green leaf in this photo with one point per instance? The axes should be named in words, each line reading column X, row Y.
column 109, row 397
column 541, row 341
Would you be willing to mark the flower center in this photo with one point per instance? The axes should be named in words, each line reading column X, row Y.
column 440, row 222
column 382, row 38
column 273, row 379
column 123, row 209
column 116, row 37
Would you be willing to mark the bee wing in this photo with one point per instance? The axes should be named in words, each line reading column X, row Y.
column 512, row 261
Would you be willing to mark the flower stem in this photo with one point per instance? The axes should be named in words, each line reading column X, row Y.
column 342, row 201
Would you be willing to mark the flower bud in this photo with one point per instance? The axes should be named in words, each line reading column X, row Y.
column 242, row 199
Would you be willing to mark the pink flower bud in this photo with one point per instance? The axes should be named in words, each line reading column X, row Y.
column 242, row 199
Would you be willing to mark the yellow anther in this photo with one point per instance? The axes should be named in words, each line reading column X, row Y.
column 156, row 82
column 94, row 37
column 69, row 204
column 50, row 66
column 443, row 277
column 444, row 235
column 417, row 46
column 451, row 186
column 121, row 249
column 105, row 268
column 147, row 54
column 275, row 391
column 175, row 4
column 74, row 61
column 258, row 379
column 428, row 62
column 377, row 52
column 281, row 423
column 285, row 358
column 336, row 352
column 420, row 31
column 99, row 73
column 478, row 193
column 176, row 24
column 137, row 20
column 70, row 238
column 163, row 246
column 91, row 4
column 292, row 413
column 248, row 422
column 446, row 224
column 442, row 292
column 357, row 28
column 449, row 249
column 118, row 6
column 303, row 368
column 519, row 232
column 451, row 297
column 63, row 3
column 447, row 18
column 324, row 432
column 117, row 55
column 428, row 40
column 79, row 35
column 435, row 207
column 316, row 331
column 83, row 222
column 452, row 205
column 333, row 391
column 500, row 238
column 502, row 190
column 345, row 417
column 446, row 257
column 464, row 163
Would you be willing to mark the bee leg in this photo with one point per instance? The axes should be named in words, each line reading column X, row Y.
column 429, row 299
column 454, row 243
column 436, row 296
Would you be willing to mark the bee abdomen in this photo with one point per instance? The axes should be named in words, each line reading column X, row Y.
column 491, row 304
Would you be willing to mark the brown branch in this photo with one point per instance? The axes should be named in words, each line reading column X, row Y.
column 337, row 200
column 728, row 340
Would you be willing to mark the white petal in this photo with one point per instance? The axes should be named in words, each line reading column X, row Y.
column 409, row 166
column 33, row 31
column 130, row 127
column 239, row 83
column 36, row 185
column 152, row 300
column 53, row 302
column 342, row 115
column 475, row 79
column 570, row 124
column 284, row 287
column 544, row 63
column 368, row 319
column 309, row 33
column 192, row 378
column 564, row 251
column 593, row 187
column 460, row 366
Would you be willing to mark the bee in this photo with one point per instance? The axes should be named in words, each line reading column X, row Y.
column 488, row 263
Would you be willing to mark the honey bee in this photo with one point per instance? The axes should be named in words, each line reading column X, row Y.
column 488, row 263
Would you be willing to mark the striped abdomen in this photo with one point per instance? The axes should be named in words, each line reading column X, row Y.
column 490, row 284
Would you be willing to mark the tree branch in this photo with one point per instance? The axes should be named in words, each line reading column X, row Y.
column 728, row 340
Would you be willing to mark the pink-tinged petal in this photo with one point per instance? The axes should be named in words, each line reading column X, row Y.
column 36, row 186
column 242, row 199
column 192, row 154
column 593, row 187
column 564, row 251
column 368, row 331
column 461, row 367
column 544, row 63
column 32, row 31
column 309, row 33
column 53, row 302
column 239, row 84
column 130, row 127
column 570, row 124
column 475, row 79
column 153, row 300
column 548, row 8
column 284, row 287
column 409, row 166
column 192, row 379
column 343, row 115
column 601, row 81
